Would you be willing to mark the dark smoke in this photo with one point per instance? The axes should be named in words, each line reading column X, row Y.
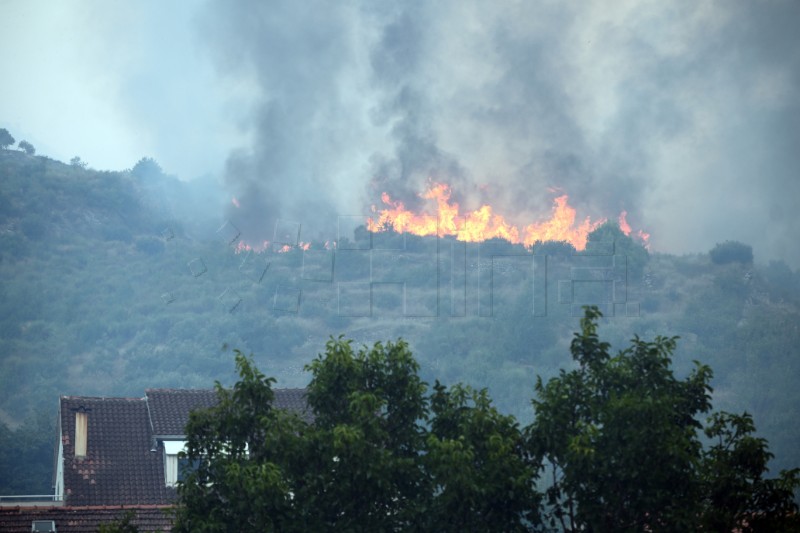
column 685, row 115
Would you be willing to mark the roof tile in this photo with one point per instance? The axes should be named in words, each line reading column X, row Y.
column 170, row 408
column 119, row 467
column 85, row 519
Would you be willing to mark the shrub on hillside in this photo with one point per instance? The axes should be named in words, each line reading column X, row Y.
column 731, row 252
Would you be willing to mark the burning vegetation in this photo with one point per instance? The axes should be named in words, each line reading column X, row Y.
column 485, row 223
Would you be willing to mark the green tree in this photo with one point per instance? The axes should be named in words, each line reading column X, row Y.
column 736, row 494
column 369, row 407
column 730, row 252
column 27, row 147
column 6, row 139
column 241, row 449
column 562, row 248
column 620, row 438
column 380, row 454
column 122, row 525
column 635, row 254
column 26, row 455
column 78, row 162
column 147, row 168
column 483, row 479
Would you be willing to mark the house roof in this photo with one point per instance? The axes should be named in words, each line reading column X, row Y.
column 293, row 400
column 119, row 467
column 124, row 465
column 170, row 408
column 84, row 519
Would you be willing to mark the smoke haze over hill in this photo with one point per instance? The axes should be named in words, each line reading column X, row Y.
column 686, row 115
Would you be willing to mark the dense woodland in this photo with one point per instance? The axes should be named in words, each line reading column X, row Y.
column 114, row 282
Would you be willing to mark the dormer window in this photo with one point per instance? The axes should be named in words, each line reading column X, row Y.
column 176, row 467
column 172, row 466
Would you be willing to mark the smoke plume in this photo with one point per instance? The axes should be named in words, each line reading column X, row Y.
column 684, row 115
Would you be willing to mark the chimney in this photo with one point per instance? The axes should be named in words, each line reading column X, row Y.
column 81, row 433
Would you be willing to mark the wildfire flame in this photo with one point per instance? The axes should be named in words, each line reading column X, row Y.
column 483, row 224
column 623, row 224
column 243, row 246
column 471, row 226
column 626, row 229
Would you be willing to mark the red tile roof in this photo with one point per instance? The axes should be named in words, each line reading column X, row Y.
column 119, row 467
column 85, row 519
column 122, row 466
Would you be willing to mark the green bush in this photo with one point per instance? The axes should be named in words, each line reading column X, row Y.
column 731, row 252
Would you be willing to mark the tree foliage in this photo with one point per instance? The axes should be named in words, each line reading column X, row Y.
column 78, row 162
column 380, row 455
column 6, row 139
column 621, row 245
column 619, row 434
column 26, row 455
column 618, row 438
column 474, row 451
column 27, row 147
column 147, row 168
column 736, row 493
column 732, row 252
column 369, row 408
column 241, row 448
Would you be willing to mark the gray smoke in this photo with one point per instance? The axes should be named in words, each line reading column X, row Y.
column 684, row 114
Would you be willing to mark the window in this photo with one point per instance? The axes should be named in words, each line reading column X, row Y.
column 171, row 467
column 81, row 434
column 185, row 467
column 175, row 467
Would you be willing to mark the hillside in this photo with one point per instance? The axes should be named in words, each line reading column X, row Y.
column 113, row 282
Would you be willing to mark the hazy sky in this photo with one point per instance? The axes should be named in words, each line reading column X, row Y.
column 685, row 114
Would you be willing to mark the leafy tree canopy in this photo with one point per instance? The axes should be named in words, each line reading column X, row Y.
column 27, row 147
column 78, row 162
column 732, row 252
column 380, row 455
column 635, row 254
column 6, row 139
column 146, row 168
column 618, row 439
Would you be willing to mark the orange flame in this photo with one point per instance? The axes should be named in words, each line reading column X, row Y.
column 644, row 237
column 626, row 229
column 483, row 223
column 623, row 224
column 242, row 246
